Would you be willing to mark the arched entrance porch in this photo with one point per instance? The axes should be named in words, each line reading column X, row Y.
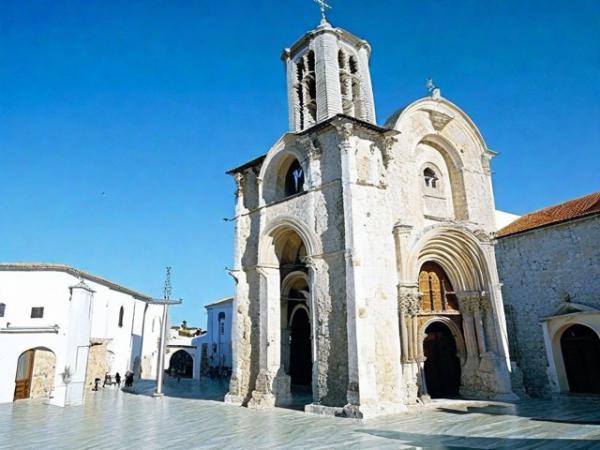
column 286, row 319
column 580, row 348
column 454, row 284
column 35, row 373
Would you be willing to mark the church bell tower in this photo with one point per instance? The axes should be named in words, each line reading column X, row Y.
column 328, row 74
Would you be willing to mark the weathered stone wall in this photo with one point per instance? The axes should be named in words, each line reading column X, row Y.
column 97, row 365
column 541, row 270
column 42, row 376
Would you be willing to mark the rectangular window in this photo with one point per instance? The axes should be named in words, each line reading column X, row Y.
column 37, row 312
column 2, row 308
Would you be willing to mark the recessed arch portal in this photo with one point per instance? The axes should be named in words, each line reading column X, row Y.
column 442, row 366
column 285, row 289
column 580, row 346
column 457, row 251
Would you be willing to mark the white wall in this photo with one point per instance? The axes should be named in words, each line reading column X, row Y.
column 22, row 290
column 219, row 345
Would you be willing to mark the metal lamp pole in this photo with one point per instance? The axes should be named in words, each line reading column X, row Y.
column 162, row 344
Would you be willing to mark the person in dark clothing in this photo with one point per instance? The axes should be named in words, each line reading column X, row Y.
column 118, row 379
column 106, row 379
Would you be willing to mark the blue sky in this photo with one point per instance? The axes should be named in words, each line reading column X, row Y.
column 149, row 102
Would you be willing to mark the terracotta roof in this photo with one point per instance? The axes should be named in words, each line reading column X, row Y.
column 573, row 209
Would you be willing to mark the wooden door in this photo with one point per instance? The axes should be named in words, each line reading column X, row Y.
column 23, row 377
column 580, row 347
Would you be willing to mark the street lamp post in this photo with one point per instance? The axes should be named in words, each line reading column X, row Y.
column 165, row 302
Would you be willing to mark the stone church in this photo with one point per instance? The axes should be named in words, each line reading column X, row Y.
column 364, row 254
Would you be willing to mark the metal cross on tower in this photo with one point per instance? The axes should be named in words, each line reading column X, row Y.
column 324, row 7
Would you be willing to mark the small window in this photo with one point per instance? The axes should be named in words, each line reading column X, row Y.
column 2, row 308
column 294, row 179
column 431, row 179
column 121, row 314
column 222, row 323
column 37, row 312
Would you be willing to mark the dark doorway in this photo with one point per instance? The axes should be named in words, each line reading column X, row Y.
column 442, row 366
column 181, row 364
column 580, row 347
column 300, row 352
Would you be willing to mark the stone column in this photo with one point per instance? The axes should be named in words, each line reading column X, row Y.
column 409, row 305
column 272, row 384
column 466, row 303
column 239, row 384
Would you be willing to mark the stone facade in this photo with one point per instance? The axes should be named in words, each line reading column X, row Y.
column 98, row 363
column 338, row 219
column 42, row 376
column 549, row 273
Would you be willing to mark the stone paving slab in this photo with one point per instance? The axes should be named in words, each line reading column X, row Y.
column 191, row 416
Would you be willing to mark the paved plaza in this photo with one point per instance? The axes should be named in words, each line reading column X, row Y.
column 191, row 415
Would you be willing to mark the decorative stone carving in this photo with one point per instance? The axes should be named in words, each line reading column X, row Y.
column 438, row 119
column 239, row 178
column 344, row 130
column 311, row 146
column 386, row 143
column 468, row 301
column 409, row 300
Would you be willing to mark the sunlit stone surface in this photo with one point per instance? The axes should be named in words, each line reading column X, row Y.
column 192, row 416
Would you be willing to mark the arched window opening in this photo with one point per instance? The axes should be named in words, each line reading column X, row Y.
column 356, row 97
column 121, row 314
column 2, row 309
column 306, row 90
column 294, row 179
column 430, row 178
column 345, row 83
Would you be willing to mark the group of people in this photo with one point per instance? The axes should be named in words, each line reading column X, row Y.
column 117, row 379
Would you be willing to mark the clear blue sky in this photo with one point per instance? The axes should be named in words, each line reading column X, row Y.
column 151, row 101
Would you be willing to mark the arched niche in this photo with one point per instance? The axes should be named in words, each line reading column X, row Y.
column 554, row 328
column 285, row 175
column 449, row 200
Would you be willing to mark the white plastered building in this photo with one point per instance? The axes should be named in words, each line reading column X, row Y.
column 213, row 349
column 61, row 328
